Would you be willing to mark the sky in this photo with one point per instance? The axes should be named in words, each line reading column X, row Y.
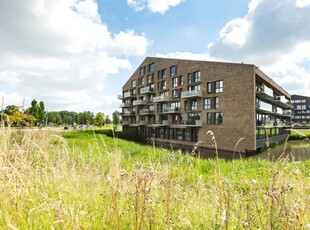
column 77, row 54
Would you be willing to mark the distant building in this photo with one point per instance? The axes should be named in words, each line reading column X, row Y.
column 301, row 107
column 176, row 102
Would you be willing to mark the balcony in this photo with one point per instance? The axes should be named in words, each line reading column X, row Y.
column 120, row 97
column 191, row 94
column 124, row 105
column 159, row 123
column 171, row 110
column 146, row 112
column 128, row 94
column 191, row 123
column 284, row 114
column 139, row 123
column 139, row 102
column 147, row 90
column 125, row 122
column 128, row 113
column 160, row 99
column 273, row 100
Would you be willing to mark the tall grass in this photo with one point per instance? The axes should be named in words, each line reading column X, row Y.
column 89, row 181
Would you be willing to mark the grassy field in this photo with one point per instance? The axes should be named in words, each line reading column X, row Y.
column 82, row 180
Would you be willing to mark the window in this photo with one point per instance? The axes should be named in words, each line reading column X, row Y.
column 219, row 86
column 209, row 88
column 163, row 85
column 179, row 134
column 149, row 78
column 163, row 73
column 197, row 77
column 194, row 105
column 175, row 82
column 173, row 70
column 181, row 80
column 216, row 102
column 207, row 103
column 189, row 78
column 218, row 118
column 142, row 71
column 133, row 84
column 175, row 105
column 187, row 135
column 152, row 67
column 142, row 81
column 208, row 118
column 175, row 93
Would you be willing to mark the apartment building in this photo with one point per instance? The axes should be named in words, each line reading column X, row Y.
column 176, row 102
column 301, row 107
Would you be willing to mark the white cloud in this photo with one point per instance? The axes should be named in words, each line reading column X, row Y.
column 156, row 6
column 274, row 36
column 60, row 51
column 187, row 56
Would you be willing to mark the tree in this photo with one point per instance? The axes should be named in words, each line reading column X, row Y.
column 10, row 109
column 99, row 120
column 107, row 120
column 41, row 112
column 115, row 117
column 34, row 109
column 86, row 118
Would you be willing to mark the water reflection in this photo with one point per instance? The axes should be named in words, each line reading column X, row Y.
column 294, row 150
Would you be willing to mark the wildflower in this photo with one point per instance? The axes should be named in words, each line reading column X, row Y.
column 307, row 226
column 254, row 181
column 109, row 178
column 245, row 224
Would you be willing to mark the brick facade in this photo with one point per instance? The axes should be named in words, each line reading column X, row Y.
column 160, row 101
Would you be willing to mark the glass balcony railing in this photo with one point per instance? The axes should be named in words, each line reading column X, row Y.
column 139, row 102
column 191, row 94
column 160, row 99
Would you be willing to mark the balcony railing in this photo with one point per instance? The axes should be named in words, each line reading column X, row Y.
column 159, row 123
column 125, row 122
column 139, row 123
column 128, row 94
column 120, row 97
column 139, row 102
column 191, row 94
column 124, row 105
column 128, row 113
column 146, row 112
column 160, row 99
column 192, row 123
column 147, row 90
column 171, row 110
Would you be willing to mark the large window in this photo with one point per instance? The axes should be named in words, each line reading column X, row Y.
column 219, row 86
column 197, row 77
column 194, row 105
column 218, row 118
column 208, row 118
column 187, row 135
column 181, row 80
column 152, row 67
column 216, row 102
column 175, row 93
column 175, row 82
column 142, row 80
column 133, row 84
column 163, row 85
column 179, row 134
column 149, row 78
column 207, row 103
column 142, row 70
column 173, row 70
column 163, row 73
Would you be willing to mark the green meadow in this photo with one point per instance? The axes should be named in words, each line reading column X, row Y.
column 86, row 180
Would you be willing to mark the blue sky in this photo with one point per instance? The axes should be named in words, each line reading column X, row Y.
column 77, row 54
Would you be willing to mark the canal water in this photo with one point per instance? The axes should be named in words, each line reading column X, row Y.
column 293, row 150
